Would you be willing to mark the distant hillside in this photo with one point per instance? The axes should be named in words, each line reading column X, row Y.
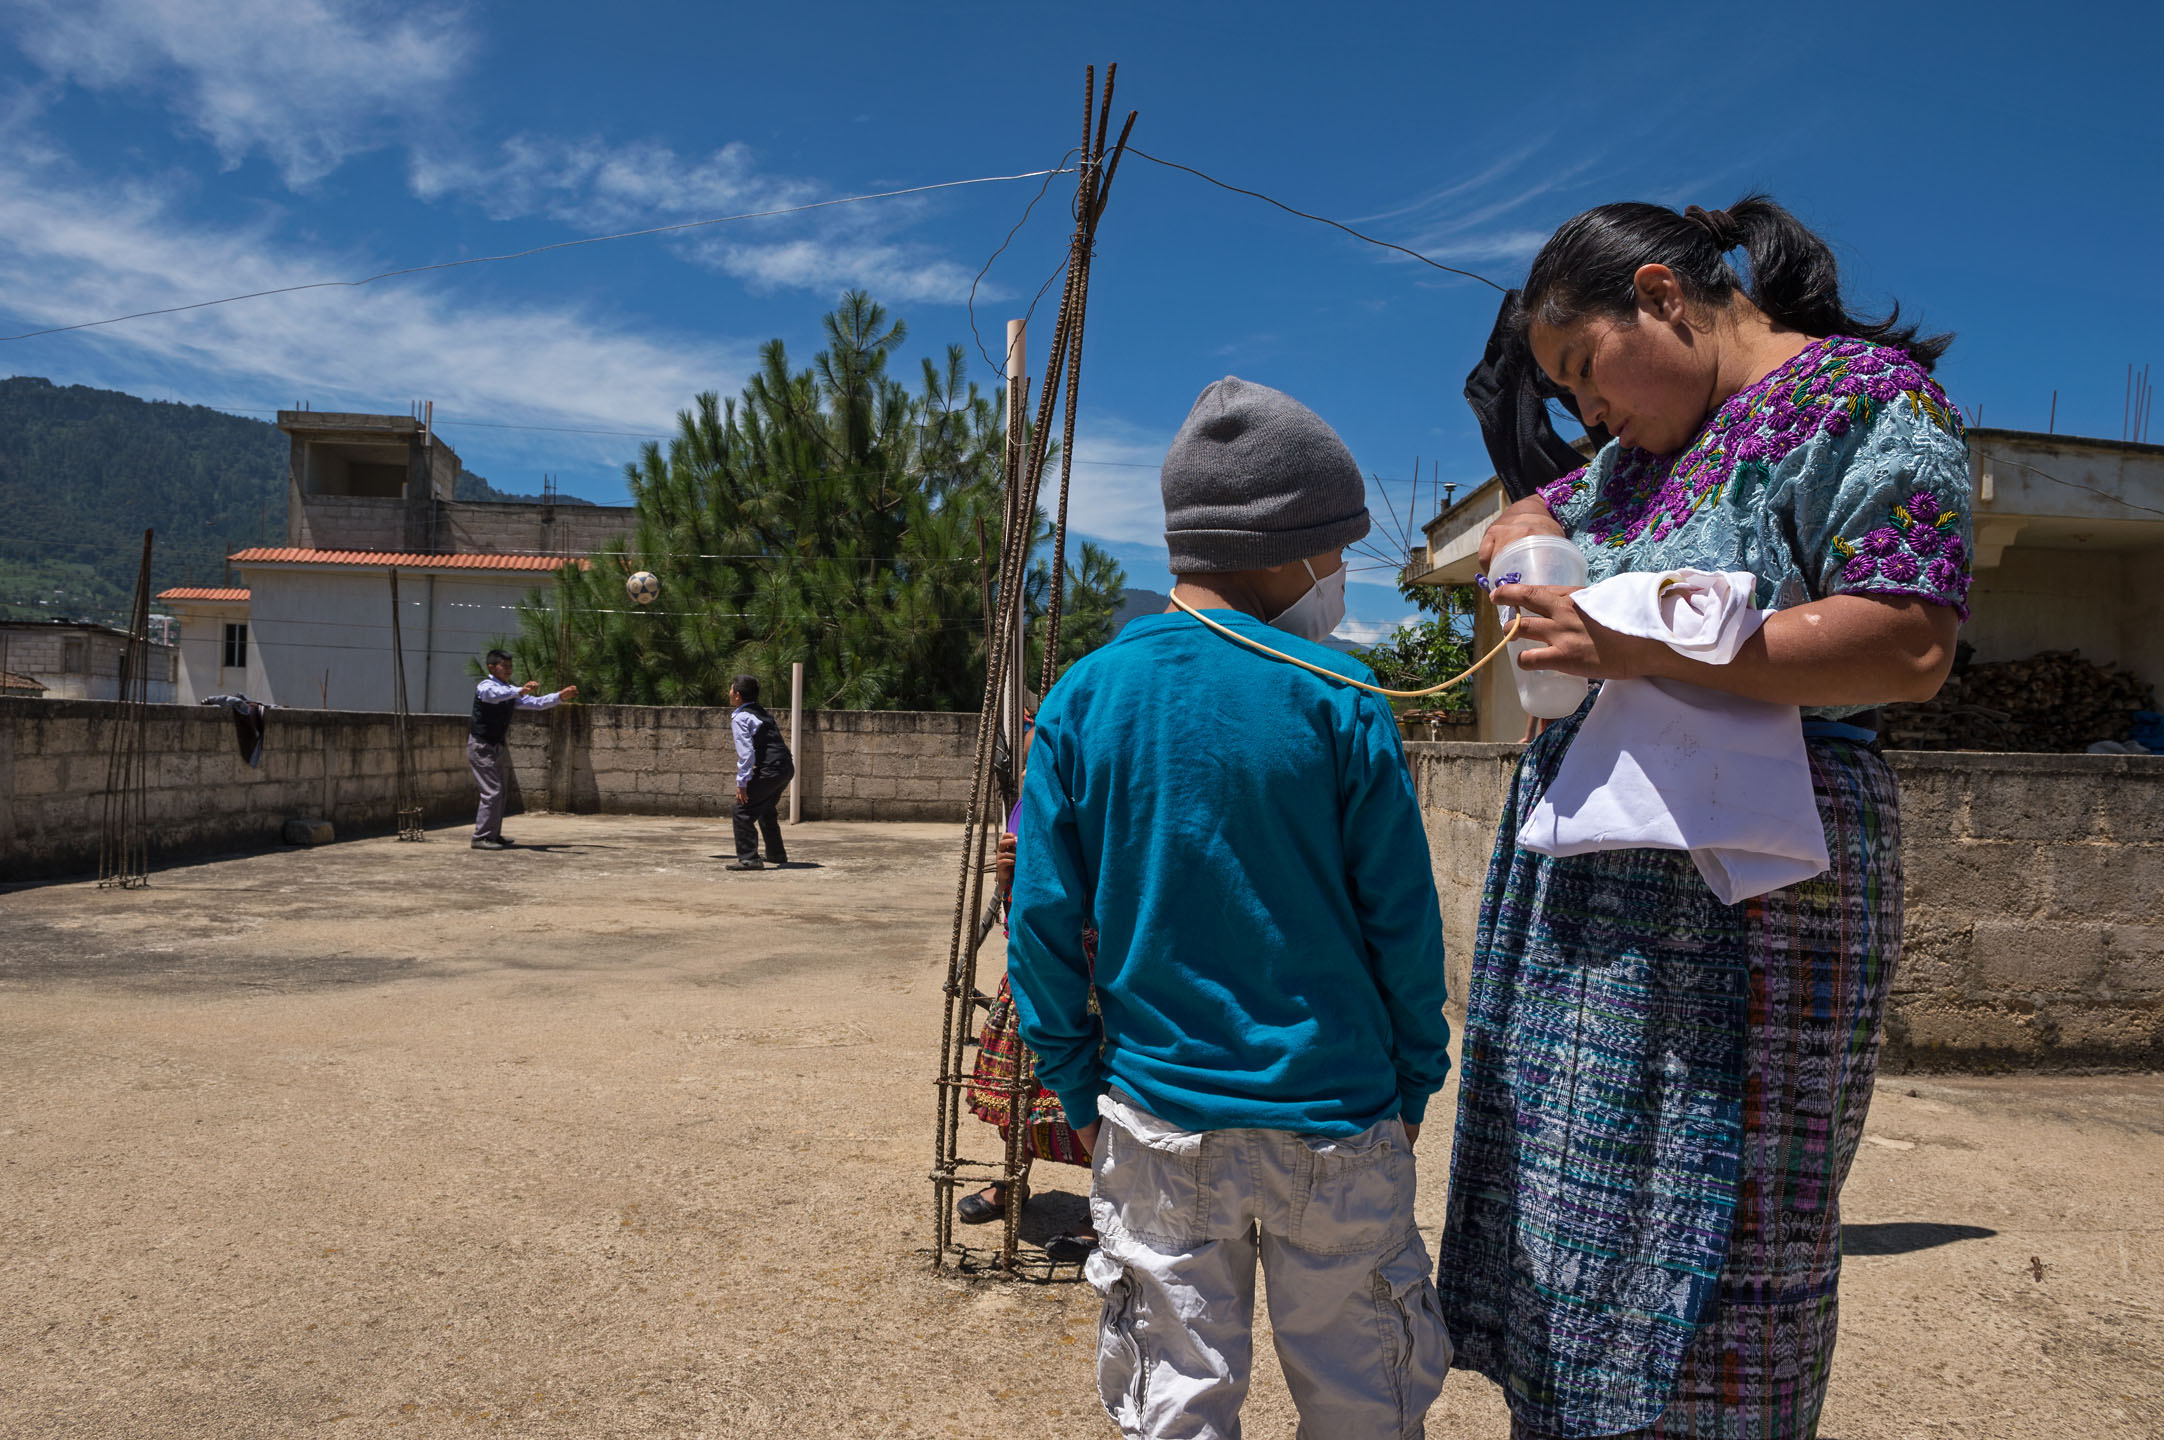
column 473, row 488
column 83, row 471
column 1134, row 604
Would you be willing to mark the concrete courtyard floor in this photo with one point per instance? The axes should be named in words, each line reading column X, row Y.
column 597, row 1139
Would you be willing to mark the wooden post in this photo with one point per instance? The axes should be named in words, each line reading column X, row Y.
column 1017, row 392
column 796, row 735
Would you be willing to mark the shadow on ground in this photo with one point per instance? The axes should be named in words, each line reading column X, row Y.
column 1906, row 1237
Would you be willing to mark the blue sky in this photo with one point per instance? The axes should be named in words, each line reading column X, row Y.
column 1993, row 169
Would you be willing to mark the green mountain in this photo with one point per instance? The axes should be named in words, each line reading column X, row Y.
column 83, row 472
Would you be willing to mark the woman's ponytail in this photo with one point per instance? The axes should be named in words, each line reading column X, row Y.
column 1796, row 281
column 1588, row 267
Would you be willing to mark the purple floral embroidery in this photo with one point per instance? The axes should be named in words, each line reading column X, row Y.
column 1558, row 492
column 1825, row 389
column 1889, row 559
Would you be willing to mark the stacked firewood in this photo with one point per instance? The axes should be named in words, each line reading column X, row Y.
column 2053, row 701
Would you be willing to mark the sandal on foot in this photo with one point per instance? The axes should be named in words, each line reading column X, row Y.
column 975, row 1209
column 1070, row 1249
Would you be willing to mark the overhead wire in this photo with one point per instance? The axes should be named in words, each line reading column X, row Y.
column 986, row 267
column 1318, row 219
column 680, row 225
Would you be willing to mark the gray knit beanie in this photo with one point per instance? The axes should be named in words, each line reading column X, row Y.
column 1254, row 479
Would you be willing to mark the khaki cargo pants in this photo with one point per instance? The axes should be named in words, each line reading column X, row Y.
column 1184, row 1218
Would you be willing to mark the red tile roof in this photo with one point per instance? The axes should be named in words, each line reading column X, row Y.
column 203, row 592
column 385, row 559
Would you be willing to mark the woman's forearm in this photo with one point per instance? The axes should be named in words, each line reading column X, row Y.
column 1516, row 521
column 1843, row 650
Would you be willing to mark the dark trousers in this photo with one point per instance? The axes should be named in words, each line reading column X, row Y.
column 757, row 816
column 491, row 766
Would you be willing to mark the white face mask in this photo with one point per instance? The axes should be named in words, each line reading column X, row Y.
column 1321, row 610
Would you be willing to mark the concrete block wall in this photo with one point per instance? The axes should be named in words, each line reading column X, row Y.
column 2034, row 887
column 1462, row 787
column 670, row 760
column 339, row 765
column 2033, row 932
column 202, row 798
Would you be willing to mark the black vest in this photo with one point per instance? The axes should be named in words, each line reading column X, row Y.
column 770, row 758
column 491, row 723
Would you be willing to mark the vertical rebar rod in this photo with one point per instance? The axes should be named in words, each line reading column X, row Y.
column 405, row 785
column 1026, row 456
column 124, row 843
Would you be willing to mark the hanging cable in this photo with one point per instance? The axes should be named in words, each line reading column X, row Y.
column 1256, row 645
column 1318, row 219
column 538, row 250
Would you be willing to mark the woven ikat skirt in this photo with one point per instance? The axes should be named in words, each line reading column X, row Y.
column 1659, row 1101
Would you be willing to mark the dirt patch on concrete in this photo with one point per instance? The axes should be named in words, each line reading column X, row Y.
column 599, row 1139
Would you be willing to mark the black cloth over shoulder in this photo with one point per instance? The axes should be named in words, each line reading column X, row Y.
column 1509, row 396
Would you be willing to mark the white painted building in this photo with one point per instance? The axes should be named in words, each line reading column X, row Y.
column 368, row 495
column 312, row 628
column 213, row 647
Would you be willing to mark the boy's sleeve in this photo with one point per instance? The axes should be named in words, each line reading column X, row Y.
column 1046, row 966
column 741, row 726
column 1401, row 917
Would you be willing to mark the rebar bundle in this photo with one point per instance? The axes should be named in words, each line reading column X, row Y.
column 998, row 766
column 124, row 842
column 406, row 785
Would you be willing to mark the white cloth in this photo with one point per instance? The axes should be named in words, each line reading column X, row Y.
column 1666, row 765
column 1182, row 1219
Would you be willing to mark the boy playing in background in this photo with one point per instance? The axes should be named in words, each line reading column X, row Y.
column 764, row 767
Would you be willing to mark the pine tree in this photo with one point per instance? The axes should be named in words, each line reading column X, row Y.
column 827, row 515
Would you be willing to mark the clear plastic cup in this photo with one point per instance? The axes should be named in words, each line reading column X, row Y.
column 1540, row 560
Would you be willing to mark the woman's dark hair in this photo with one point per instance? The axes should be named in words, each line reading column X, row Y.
column 747, row 688
column 1586, row 268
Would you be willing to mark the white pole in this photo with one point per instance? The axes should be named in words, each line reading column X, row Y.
column 796, row 733
column 1018, row 409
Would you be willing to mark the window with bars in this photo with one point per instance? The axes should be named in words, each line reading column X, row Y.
column 236, row 647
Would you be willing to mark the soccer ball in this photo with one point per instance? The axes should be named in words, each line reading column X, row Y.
column 643, row 587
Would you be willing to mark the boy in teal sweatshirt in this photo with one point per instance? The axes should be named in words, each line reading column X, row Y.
column 1242, row 834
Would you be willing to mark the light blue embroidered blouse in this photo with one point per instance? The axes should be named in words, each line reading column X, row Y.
column 1843, row 471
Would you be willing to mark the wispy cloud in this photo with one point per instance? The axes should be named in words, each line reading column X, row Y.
column 1116, row 495
column 1502, row 166
column 308, row 84
column 594, row 185
column 77, row 248
column 305, row 83
column 1370, row 632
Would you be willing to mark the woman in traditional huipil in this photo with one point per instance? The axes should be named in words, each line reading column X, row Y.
column 1660, row 1093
